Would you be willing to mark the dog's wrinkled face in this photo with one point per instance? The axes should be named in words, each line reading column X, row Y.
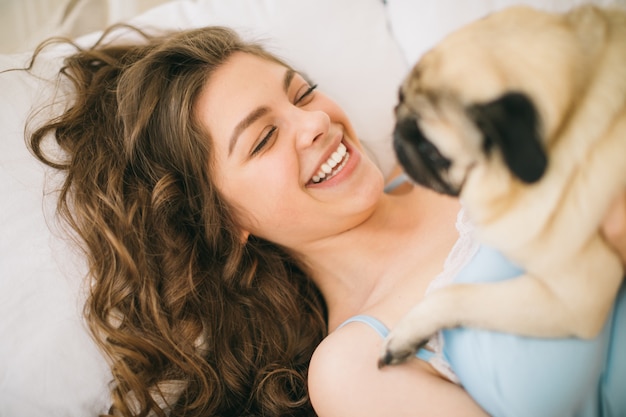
column 421, row 160
column 438, row 141
column 427, row 145
column 465, row 105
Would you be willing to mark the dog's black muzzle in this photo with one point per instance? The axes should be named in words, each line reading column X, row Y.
column 420, row 159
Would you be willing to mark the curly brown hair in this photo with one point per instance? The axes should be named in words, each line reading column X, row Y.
column 194, row 321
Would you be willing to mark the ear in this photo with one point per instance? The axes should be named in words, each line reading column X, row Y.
column 244, row 236
column 511, row 122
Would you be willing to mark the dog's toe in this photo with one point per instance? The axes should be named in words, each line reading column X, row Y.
column 392, row 358
column 396, row 353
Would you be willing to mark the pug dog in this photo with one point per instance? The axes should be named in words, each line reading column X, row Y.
column 522, row 114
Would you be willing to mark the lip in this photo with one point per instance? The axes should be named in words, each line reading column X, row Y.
column 346, row 170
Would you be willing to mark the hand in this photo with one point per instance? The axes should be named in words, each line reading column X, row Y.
column 614, row 226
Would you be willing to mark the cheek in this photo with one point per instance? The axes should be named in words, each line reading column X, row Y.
column 274, row 216
column 262, row 194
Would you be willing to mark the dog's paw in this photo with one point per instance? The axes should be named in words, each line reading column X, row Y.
column 416, row 328
column 398, row 349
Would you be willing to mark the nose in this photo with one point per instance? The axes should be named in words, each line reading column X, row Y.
column 309, row 126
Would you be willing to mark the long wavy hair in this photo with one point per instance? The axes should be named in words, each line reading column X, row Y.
column 194, row 321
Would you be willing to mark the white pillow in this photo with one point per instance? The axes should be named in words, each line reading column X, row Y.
column 419, row 25
column 49, row 366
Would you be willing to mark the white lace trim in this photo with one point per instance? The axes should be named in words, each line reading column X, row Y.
column 462, row 251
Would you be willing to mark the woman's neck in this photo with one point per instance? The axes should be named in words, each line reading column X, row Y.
column 365, row 265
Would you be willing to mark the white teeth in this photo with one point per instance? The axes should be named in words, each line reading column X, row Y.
column 337, row 158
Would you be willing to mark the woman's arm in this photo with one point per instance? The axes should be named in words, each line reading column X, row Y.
column 344, row 380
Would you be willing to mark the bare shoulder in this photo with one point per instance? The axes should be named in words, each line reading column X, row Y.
column 344, row 379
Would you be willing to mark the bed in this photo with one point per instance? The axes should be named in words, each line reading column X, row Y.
column 356, row 50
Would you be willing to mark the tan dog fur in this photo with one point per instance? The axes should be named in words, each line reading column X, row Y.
column 573, row 68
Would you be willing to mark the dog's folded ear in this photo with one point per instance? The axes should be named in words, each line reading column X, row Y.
column 511, row 123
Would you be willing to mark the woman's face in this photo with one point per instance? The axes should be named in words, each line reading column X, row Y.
column 286, row 156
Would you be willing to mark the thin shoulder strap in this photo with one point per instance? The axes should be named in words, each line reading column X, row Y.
column 373, row 322
column 396, row 182
column 383, row 331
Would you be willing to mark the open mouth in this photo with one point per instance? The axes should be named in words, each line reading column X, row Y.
column 333, row 165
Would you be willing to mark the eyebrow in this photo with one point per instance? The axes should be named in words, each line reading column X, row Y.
column 257, row 113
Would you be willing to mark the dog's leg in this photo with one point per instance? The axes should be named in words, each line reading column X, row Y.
column 575, row 302
column 484, row 305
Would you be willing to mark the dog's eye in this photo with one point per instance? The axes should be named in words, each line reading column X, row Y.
column 428, row 150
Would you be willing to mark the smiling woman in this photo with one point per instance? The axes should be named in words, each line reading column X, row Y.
column 286, row 133
column 185, row 310
column 217, row 264
column 43, row 286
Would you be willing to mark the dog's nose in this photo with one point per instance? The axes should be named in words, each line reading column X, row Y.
column 408, row 133
column 407, row 129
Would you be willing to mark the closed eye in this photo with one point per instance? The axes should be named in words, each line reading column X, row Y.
column 306, row 96
column 302, row 99
column 259, row 147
